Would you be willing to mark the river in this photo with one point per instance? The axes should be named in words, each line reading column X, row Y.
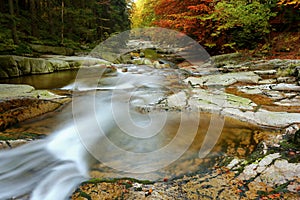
column 237, row 138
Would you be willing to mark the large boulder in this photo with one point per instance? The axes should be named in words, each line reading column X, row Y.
column 34, row 66
column 21, row 102
column 15, row 66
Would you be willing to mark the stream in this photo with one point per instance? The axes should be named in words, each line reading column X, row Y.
column 146, row 87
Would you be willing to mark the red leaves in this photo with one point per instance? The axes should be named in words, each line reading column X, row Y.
column 201, row 8
column 184, row 16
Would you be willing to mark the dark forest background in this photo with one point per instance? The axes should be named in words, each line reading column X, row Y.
column 76, row 24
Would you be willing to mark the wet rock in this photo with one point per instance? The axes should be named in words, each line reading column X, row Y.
column 8, row 144
column 224, row 79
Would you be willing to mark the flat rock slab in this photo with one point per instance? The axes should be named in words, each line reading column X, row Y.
column 224, row 79
column 21, row 102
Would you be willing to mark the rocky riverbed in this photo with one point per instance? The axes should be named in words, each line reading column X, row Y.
column 263, row 92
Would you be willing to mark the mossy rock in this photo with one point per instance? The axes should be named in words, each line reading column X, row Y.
column 8, row 67
column 150, row 54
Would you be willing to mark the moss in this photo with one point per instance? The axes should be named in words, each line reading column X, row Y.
column 150, row 53
column 84, row 195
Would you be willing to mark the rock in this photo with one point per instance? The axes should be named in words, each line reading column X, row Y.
column 35, row 66
column 265, row 72
column 297, row 73
column 59, row 65
column 286, row 79
column 177, row 100
column 224, row 59
column 211, row 101
column 264, row 117
column 268, row 159
column 8, row 90
column 285, row 87
column 21, row 102
column 267, row 81
column 249, row 172
column 233, row 163
column 14, row 66
column 9, row 67
column 150, row 54
column 8, row 144
column 281, row 172
column 224, row 79
column 289, row 101
column 52, row 50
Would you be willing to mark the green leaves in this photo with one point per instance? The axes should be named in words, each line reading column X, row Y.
column 245, row 22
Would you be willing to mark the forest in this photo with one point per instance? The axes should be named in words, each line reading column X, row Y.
column 223, row 26
column 220, row 26
column 74, row 24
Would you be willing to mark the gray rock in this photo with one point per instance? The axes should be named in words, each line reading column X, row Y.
column 264, row 117
column 59, row 65
column 281, row 172
column 286, row 87
column 265, row 72
column 286, row 79
column 249, row 172
column 224, row 79
column 9, row 90
column 268, row 159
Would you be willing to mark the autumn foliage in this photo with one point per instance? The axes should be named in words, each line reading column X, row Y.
column 189, row 17
column 221, row 26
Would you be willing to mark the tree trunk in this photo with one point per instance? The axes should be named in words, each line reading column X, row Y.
column 34, row 29
column 62, row 21
column 13, row 24
column 17, row 8
column 50, row 17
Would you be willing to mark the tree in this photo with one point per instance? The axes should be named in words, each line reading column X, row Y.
column 13, row 22
column 142, row 13
column 244, row 23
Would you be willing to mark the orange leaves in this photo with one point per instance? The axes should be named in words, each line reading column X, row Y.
column 271, row 196
column 201, row 8
column 293, row 3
